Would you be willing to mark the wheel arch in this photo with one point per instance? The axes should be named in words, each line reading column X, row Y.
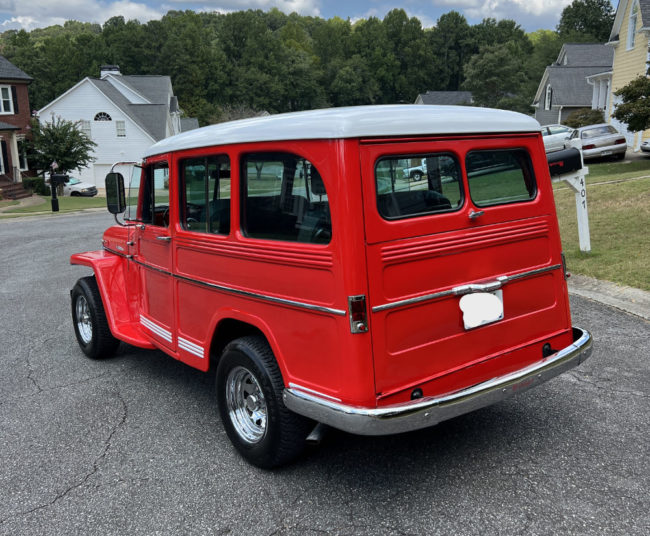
column 231, row 325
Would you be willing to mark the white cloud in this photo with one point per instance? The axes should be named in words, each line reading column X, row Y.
column 303, row 7
column 505, row 8
column 30, row 14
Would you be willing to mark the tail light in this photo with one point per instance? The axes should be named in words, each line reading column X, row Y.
column 587, row 147
column 358, row 314
column 619, row 141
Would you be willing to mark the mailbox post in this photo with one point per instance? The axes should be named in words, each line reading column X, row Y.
column 575, row 178
column 55, row 180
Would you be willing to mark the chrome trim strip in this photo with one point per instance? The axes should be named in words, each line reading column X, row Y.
column 465, row 289
column 308, row 390
column 429, row 411
column 265, row 297
column 156, row 329
column 238, row 292
column 190, row 347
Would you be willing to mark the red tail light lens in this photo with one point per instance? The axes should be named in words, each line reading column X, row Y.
column 358, row 314
column 619, row 141
column 587, row 147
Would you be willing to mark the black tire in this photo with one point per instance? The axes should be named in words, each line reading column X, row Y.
column 89, row 320
column 249, row 394
column 416, row 176
column 620, row 156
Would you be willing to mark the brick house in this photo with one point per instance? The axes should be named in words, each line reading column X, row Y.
column 15, row 115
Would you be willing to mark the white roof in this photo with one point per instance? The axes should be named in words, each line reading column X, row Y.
column 352, row 122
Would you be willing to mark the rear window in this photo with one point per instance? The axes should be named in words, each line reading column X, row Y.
column 414, row 185
column 594, row 132
column 500, row 177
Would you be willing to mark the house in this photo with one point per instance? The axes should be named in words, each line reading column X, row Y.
column 14, row 121
column 445, row 97
column 124, row 115
column 564, row 87
column 629, row 41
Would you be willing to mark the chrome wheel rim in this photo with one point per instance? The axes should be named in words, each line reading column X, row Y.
column 84, row 322
column 246, row 405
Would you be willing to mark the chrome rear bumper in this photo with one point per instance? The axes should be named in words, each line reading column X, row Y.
column 425, row 412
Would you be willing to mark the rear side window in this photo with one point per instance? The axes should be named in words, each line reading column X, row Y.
column 500, row 177
column 416, row 185
column 284, row 198
column 205, row 205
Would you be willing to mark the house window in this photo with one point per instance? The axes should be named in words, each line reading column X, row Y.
column 631, row 27
column 6, row 102
column 120, row 127
column 102, row 116
column 85, row 127
column 548, row 101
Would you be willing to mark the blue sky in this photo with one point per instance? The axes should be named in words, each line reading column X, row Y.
column 30, row 14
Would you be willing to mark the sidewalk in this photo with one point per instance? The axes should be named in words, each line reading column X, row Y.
column 628, row 299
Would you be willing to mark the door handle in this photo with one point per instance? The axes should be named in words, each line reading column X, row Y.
column 164, row 238
column 475, row 214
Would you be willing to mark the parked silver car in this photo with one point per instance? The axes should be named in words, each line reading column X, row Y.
column 555, row 137
column 601, row 140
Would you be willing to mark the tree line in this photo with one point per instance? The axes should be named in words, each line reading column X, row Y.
column 228, row 65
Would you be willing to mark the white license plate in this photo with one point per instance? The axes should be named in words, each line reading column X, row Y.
column 480, row 308
column 605, row 153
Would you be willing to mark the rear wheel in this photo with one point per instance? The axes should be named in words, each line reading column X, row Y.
column 249, row 393
column 89, row 320
column 416, row 175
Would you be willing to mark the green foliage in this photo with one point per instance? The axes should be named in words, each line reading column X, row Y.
column 62, row 142
column 635, row 106
column 270, row 61
column 36, row 185
column 586, row 21
column 584, row 117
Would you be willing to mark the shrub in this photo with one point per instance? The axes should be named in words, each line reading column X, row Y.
column 36, row 185
column 584, row 117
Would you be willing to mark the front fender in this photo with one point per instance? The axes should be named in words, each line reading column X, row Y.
column 109, row 272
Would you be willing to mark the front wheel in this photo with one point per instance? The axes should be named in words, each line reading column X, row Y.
column 249, row 394
column 89, row 320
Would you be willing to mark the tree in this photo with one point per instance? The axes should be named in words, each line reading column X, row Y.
column 494, row 76
column 62, row 142
column 635, row 108
column 584, row 117
column 592, row 18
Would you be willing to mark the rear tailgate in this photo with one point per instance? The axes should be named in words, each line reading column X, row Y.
column 429, row 243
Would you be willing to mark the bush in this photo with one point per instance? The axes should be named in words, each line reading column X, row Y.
column 584, row 117
column 36, row 185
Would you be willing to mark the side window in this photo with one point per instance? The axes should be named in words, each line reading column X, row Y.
column 417, row 185
column 284, row 198
column 500, row 177
column 155, row 195
column 205, row 200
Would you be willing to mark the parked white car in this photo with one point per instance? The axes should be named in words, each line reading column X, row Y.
column 601, row 140
column 75, row 187
column 555, row 137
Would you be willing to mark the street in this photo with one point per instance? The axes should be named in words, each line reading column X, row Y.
column 133, row 445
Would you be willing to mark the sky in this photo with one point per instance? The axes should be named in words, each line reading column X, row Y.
column 531, row 15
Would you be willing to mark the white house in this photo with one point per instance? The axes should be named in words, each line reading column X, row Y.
column 123, row 115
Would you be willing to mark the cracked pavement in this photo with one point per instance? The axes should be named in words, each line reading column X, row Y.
column 133, row 445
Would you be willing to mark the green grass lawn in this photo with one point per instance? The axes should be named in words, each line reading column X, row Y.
column 66, row 204
column 619, row 223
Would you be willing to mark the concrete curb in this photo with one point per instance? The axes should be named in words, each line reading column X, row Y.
column 628, row 299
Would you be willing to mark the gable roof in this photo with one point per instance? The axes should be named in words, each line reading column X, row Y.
column 569, row 80
column 8, row 71
column 152, row 118
column 644, row 11
column 585, row 55
column 446, row 97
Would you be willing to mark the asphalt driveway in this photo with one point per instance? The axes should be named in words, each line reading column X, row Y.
column 133, row 445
